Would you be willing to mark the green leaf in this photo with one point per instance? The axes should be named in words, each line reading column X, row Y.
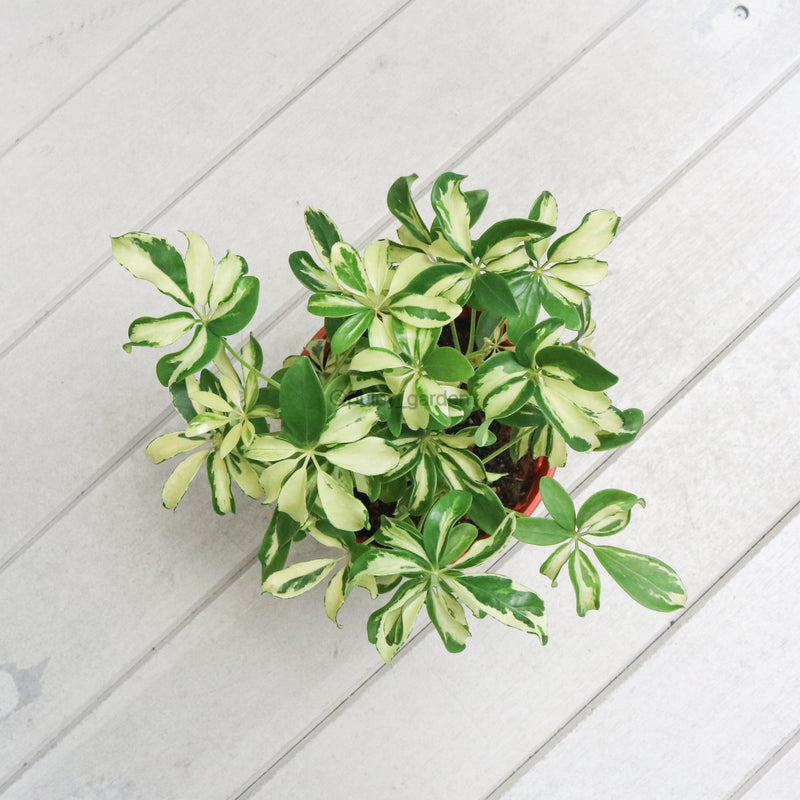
column 178, row 482
column 490, row 292
column 307, row 271
column 503, row 236
column 557, row 306
column 402, row 206
column 302, row 404
column 650, row 582
column 564, row 362
column 595, row 233
column 486, row 511
column 544, row 334
column 199, row 352
column 458, row 542
column 526, row 295
column 447, row 616
column 557, row 502
column 452, row 212
column 155, row 260
column 298, row 578
column 180, row 399
column 323, row 232
column 158, row 331
column 447, row 364
column 585, row 581
column 444, row 514
column 536, row 530
column 476, row 200
column 238, row 309
column 607, row 512
column 505, row 600
column 482, row 550
column 350, row 331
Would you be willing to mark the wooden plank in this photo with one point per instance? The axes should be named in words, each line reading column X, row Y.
column 720, row 690
column 50, row 48
column 72, row 682
column 170, row 107
column 780, row 778
column 301, row 164
column 221, row 737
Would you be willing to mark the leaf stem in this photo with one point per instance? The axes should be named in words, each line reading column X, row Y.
column 454, row 332
column 503, row 448
column 250, row 367
column 471, row 342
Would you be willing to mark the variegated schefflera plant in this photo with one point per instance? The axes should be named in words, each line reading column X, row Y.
column 428, row 340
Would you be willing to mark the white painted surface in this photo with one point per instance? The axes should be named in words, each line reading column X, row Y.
column 137, row 659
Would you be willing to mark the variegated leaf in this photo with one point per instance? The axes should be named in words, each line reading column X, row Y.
column 348, row 269
column 199, row 267
column 390, row 626
column 368, row 456
column 544, row 209
column 342, row 509
column 155, row 260
column 452, row 212
column 555, row 561
column 505, row 600
column 323, row 232
column 178, row 482
column 376, row 359
column 307, row 271
column 170, row 445
column 233, row 313
column 447, row 616
column 270, row 448
column 246, row 477
column 482, row 550
column 594, row 234
column 402, row 206
column 583, row 272
column 350, row 423
column 229, row 270
column 422, row 311
column 199, row 352
column 292, row 497
column 607, row 512
column 650, row 582
column 220, row 481
column 585, row 581
column 158, row 331
column 293, row 581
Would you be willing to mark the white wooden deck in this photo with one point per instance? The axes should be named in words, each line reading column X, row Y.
column 138, row 660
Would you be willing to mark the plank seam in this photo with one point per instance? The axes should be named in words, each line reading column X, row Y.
column 71, row 93
column 650, row 649
column 768, row 764
column 215, row 163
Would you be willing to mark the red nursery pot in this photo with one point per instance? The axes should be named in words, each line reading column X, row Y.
column 541, row 468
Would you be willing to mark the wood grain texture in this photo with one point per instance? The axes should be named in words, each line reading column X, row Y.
column 50, row 48
column 224, row 634
column 780, row 777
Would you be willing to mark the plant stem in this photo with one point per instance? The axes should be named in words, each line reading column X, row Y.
column 502, row 449
column 454, row 332
column 250, row 367
column 471, row 342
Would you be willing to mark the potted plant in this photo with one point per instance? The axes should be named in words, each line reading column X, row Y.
column 415, row 433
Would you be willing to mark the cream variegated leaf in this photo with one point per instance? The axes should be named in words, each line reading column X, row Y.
column 170, row 445
column 350, row 423
column 298, row 578
column 275, row 475
column 155, row 260
column 452, row 211
column 292, row 497
column 178, row 482
column 246, row 478
column 159, row 331
column 229, row 270
column 199, row 267
column 369, row 456
column 342, row 509
column 594, row 234
column 269, row 447
column 583, row 272
column 447, row 616
column 230, row 440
